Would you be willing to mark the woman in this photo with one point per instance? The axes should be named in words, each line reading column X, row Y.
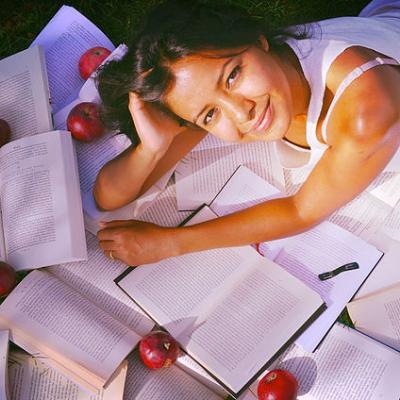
column 329, row 93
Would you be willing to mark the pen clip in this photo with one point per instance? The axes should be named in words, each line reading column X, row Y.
column 346, row 267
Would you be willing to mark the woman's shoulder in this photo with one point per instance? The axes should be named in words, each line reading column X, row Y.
column 370, row 104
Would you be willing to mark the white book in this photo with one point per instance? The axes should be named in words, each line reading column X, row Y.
column 378, row 315
column 307, row 255
column 230, row 309
column 42, row 219
column 24, row 93
column 347, row 365
column 69, row 330
column 32, row 379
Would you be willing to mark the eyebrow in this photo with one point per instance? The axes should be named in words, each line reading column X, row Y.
column 222, row 73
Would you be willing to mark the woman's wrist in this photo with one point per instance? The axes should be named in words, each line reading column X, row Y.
column 149, row 155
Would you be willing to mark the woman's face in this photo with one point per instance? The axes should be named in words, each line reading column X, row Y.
column 240, row 97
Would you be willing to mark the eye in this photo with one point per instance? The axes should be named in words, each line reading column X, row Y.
column 232, row 76
column 209, row 116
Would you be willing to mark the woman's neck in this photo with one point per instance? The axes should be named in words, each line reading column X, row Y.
column 298, row 84
column 300, row 91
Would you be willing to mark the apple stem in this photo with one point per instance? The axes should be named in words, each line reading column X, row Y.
column 167, row 345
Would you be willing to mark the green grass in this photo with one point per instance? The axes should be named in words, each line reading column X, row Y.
column 21, row 21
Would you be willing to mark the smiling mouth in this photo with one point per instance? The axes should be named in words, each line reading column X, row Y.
column 264, row 121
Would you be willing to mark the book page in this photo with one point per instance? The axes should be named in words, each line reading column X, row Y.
column 173, row 290
column 193, row 368
column 224, row 306
column 70, row 329
column 391, row 225
column 31, row 379
column 166, row 384
column 386, row 187
column 387, row 272
column 3, row 255
column 40, row 200
column 323, row 249
column 245, row 189
column 4, row 383
column 94, row 279
column 378, row 316
column 163, row 210
column 201, row 174
column 244, row 326
column 24, row 93
column 347, row 365
column 363, row 216
column 64, row 39
column 91, row 157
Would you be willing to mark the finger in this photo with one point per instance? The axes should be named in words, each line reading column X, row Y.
column 113, row 254
column 115, row 223
column 107, row 234
column 108, row 245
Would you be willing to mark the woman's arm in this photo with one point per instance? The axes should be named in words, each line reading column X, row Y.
column 341, row 174
column 163, row 143
column 363, row 138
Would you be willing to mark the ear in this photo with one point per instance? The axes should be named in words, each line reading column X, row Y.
column 263, row 42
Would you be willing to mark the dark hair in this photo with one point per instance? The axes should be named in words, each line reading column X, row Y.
column 175, row 29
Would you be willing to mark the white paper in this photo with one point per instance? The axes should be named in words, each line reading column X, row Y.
column 322, row 249
column 378, row 316
column 201, row 174
column 94, row 279
column 32, row 379
column 24, row 93
column 40, row 199
column 65, row 38
column 243, row 190
column 4, row 383
column 77, row 333
column 166, row 384
column 347, row 365
column 386, row 273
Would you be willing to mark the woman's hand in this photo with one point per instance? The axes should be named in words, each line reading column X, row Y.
column 156, row 129
column 136, row 242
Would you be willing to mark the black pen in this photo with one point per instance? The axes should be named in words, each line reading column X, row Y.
column 330, row 274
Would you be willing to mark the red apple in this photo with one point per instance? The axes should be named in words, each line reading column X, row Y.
column 8, row 278
column 158, row 349
column 84, row 122
column 278, row 385
column 5, row 132
column 91, row 59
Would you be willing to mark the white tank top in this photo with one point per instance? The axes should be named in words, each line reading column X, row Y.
column 377, row 28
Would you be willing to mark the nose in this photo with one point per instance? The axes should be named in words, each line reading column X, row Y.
column 239, row 108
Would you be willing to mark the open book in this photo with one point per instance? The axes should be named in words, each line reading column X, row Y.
column 346, row 366
column 24, row 93
column 305, row 256
column 88, row 327
column 64, row 39
column 378, row 315
column 41, row 213
column 230, row 309
column 32, row 379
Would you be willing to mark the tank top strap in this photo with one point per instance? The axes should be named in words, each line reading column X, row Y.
column 349, row 79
